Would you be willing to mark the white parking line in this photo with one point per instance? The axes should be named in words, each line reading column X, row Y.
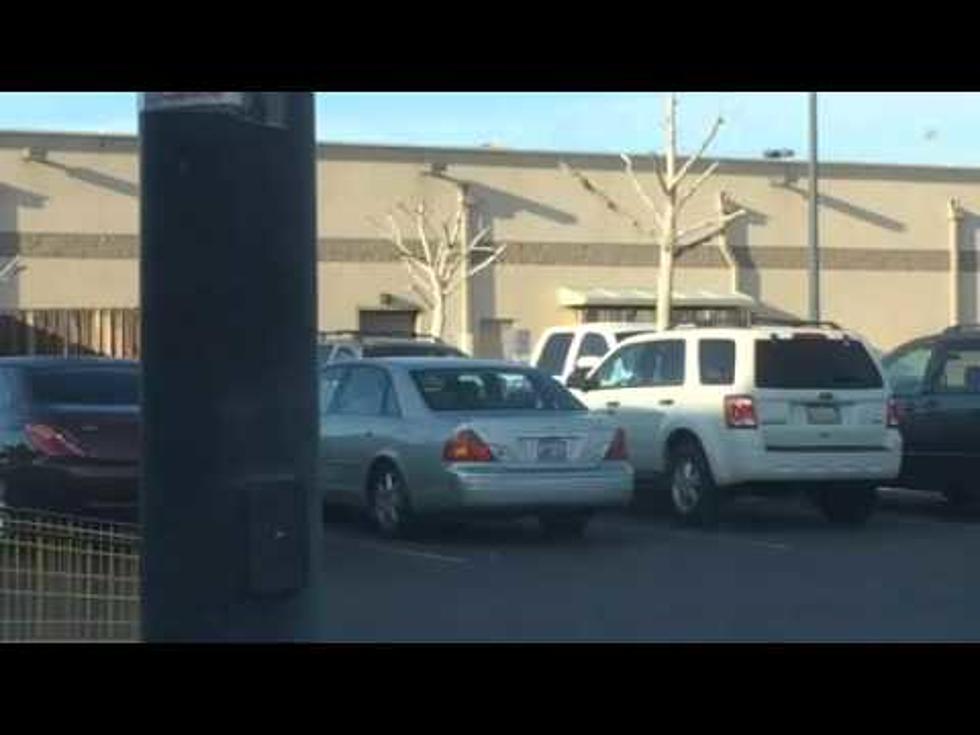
column 400, row 550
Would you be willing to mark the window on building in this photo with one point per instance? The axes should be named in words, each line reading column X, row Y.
column 387, row 321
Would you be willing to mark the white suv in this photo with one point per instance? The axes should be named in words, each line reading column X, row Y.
column 762, row 408
column 565, row 353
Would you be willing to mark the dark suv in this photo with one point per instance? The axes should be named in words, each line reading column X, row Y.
column 69, row 435
column 353, row 345
column 936, row 383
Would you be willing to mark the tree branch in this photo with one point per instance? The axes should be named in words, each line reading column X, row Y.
column 396, row 239
column 693, row 159
column 420, row 228
column 719, row 227
column 476, row 269
column 646, row 198
column 720, row 221
column 697, row 184
column 610, row 203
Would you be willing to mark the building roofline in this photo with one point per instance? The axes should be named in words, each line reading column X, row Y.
column 494, row 156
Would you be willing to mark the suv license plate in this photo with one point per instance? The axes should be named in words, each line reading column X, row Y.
column 823, row 414
column 552, row 450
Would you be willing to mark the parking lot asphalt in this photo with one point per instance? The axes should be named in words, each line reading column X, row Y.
column 773, row 571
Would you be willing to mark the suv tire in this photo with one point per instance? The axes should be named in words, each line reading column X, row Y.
column 695, row 499
column 847, row 505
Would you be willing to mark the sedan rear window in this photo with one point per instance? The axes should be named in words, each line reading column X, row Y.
column 411, row 350
column 817, row 362
column 103, row 387
column 490, row 389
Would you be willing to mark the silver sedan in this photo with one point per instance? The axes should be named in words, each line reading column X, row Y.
column 405, row 438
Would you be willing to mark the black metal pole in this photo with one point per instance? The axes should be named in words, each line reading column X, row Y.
column 228, row 294
column 813, row 264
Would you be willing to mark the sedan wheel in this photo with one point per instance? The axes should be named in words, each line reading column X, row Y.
column 390, row 510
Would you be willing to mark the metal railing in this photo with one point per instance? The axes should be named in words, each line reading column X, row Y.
column 68, row 579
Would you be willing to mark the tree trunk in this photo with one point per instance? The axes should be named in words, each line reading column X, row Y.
column 438, row 323
column 665, row 288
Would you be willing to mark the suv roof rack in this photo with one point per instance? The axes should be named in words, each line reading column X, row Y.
column 965, row 327
column 326, row 335
column 778, row 322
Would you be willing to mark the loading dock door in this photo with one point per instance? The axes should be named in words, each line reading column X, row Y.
column 388, row 321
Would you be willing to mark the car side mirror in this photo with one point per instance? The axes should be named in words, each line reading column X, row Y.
column 581, row 380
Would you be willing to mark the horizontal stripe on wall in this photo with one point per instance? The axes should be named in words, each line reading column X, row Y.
column 627, row 255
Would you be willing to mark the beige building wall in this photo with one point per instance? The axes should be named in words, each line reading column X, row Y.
column 72, row 213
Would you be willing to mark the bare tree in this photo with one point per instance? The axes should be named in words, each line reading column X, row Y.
column 664, row 229
column 438, row 264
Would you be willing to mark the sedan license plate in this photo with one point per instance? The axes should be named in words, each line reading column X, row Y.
column 823, row 414
column 552, row 450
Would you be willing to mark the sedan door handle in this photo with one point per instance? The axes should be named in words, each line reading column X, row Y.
column 666, row 402
column 612, row 404
column 368, row 434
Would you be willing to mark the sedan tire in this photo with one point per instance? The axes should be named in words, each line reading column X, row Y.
column 389, row 505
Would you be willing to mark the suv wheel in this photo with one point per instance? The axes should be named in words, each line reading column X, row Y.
column 847, row 505
column 388, row 503
column 694, row 497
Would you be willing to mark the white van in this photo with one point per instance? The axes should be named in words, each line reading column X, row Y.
column 566, row 351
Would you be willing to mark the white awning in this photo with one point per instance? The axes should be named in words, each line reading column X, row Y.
column 647, row 297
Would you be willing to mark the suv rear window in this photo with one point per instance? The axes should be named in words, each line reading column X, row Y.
column 103, row 387
column 492, row 389
column 816, row 362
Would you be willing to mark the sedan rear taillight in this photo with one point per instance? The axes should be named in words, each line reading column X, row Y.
column 52, row 442
column 467, row 446
column 894, row 416
column 740, row 412
column 617, row 448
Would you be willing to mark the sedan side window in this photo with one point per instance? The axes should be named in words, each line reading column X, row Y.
column 329, row 380
column 362, row 393
column 907, row 370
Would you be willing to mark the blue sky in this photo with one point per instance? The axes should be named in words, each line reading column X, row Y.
column 940, row 129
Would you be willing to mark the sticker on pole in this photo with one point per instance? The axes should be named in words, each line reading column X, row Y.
column 158, row 101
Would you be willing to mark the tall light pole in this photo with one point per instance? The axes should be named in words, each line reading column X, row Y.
column 813, row 264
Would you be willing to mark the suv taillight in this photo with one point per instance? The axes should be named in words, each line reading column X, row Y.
column 740, row 412
column 617, row 448
column 467, row 446
column 893, row 414
column 52, row 442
